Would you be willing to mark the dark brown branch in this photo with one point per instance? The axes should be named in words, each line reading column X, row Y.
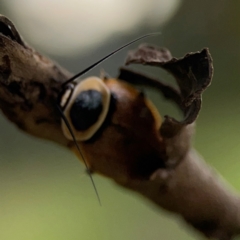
column 29, row 86
column 176, row 178
column 196, row 192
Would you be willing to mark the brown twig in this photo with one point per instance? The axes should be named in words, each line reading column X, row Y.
column 179, row 181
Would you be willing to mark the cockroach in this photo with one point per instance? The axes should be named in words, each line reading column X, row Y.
column 106, row 119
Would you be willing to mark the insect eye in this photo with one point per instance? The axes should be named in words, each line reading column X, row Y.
column 86, row 108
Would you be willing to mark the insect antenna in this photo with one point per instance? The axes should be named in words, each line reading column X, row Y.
column 80, row 152
column 106, row 57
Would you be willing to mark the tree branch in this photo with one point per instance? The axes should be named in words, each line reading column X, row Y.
column 130, row 148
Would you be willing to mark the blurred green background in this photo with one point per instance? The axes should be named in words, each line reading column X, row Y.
column 44, row 192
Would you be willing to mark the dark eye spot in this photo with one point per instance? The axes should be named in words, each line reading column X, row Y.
column 86, row 109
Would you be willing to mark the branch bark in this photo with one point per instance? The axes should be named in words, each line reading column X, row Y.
column 175, row 177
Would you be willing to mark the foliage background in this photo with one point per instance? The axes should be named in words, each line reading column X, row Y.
column 44, row 193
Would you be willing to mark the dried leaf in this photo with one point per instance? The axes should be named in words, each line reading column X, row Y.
column 193, row 74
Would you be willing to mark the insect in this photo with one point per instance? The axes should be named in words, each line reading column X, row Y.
column 108, row 119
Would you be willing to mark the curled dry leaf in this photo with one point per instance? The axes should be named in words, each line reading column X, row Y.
column 193, row 74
